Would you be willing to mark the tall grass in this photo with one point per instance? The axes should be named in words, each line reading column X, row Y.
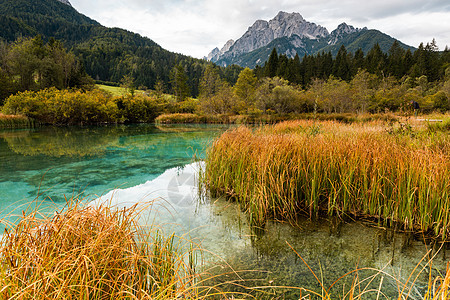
column 281, row 171
column 99, row 252
column 88, row 252
column 15, row 121
column 181, row 118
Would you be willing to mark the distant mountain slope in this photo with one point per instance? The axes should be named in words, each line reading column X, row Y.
column 365, row 40
column 291, row 34
column 29, row 10
column 107, row 53
column 45, row 17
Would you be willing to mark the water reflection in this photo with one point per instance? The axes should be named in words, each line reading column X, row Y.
column 54, row 163
column 128, row 164
column 330, row 254
column 254, row 257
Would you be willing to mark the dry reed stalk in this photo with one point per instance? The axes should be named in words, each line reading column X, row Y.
column 280, row 171
column 94, row 253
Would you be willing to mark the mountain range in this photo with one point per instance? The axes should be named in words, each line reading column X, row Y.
column 108, row 54
column 291, row 34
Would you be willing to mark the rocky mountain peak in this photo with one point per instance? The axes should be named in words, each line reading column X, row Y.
column 258, row 26
column 215, row 54
column 289, row 24
column 344, row 28
column 65, row 2
column 285, row 17
column 227, row 46
column 291, row 34
column 262, row 32
column 341, row 30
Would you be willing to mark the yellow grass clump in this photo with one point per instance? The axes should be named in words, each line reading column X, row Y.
column 15, row 121
column 393, row 174
column 87, row 252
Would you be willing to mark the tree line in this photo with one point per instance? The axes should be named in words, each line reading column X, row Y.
column 107, row 54
column 426, row 60
column 31, row 64
column 376, row 82
column 348, row 83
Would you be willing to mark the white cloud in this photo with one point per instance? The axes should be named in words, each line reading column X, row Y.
column 194, row 27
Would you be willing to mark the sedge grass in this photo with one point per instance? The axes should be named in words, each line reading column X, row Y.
column 281, row 171
column 99, row 252
column 15, row 121
column 95, row 252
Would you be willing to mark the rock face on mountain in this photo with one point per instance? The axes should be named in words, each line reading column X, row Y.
column 291, row 34
column 65, row 2
column 216, row 53
column 341, row 31
column 261, row 33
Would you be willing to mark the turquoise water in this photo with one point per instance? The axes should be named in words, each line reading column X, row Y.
column 51, row 163
column 128, row 164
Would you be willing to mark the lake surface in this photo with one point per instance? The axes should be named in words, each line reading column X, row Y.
column 124, row 165
column 55, row 162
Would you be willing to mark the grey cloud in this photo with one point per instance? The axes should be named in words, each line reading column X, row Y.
column 213, row 22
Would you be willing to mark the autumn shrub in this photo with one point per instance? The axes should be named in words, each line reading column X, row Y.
column 139, row 108
column 441, row 101
column 63, row 107
column 188, row 106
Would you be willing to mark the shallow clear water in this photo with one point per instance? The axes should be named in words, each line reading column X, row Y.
column 55, row 162
column 129, row 164
column 272, row 255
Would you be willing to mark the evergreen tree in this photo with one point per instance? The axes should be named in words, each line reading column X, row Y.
column 179, row 83
column 271, row 67
column 307, row 69
column 358, row 59
column 375, row 60
column 341, row 66
column 433, row 67
column 395, row 66
column 327, row 65
column 445, row 57
column 408, row 61
column 282, row 70
column 293, row 72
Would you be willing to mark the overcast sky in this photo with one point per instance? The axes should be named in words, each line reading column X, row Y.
column 195, row 27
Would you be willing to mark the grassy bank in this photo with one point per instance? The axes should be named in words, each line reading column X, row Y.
column 192, row 118
column 94, row 253
column 394, row 174
column 97, row 252
column 15, row 121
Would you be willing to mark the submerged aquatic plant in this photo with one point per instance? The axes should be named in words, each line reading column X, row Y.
column 362, row 287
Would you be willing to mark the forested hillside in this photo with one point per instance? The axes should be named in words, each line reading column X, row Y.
column 398, row 63
column 108, row 54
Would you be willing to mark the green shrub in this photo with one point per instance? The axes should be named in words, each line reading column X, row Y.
column 63, row 107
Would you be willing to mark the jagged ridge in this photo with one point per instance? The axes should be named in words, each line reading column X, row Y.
column 65, row 2
column 291, row 34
